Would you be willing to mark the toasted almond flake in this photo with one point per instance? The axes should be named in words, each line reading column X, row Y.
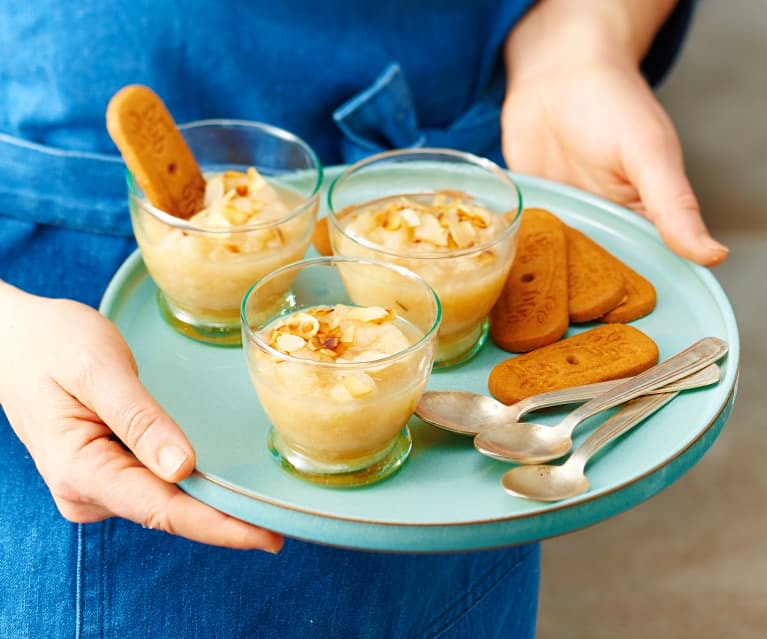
column 477, row 216
column 392, row 220
column 302, row 324
column 431, row 231
column 255, row 179
column 331, row 343
column 463, row 233
column 368, row 313
column 395, row 240
column 338, row 333
column 411, row 218
column 243, row 204
column 214, row 190
column 235, row 214
column 289, row 343
column 347, row 333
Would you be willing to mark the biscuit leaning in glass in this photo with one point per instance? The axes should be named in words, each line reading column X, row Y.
column 449, row 216
column 339, row 369
column 259, row 209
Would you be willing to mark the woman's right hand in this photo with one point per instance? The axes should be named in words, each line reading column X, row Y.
column 70, row 389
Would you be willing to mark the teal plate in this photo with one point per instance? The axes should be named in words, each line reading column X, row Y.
column 447, row 497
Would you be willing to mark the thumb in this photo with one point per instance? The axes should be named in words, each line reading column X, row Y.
column 656, row 168
column 117, row 396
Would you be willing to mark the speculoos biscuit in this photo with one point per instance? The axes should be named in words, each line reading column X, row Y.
column 154, row 150
column 321, row 237
column 532, row 310
column 606, row 352
column 640, row 297
column 595, row 283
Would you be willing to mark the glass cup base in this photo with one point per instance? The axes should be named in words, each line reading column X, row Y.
column 220, row 334
column 461, row 350
column 366, row 472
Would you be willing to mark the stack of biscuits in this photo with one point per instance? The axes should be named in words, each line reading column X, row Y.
column 562, row 277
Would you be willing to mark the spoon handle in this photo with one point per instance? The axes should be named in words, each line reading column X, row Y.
column 625, row 419
column 709, row 375
column 702, row 353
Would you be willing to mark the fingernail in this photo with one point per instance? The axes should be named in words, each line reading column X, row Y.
column 171, row 458
column 712, row 245
column 255, row 539
column 717, row 252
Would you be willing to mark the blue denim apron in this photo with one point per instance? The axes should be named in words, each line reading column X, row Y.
column 353, row 78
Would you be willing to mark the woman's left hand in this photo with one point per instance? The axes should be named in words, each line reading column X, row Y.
column 589, row 119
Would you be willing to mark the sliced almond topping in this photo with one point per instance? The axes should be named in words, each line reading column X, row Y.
column 214, row 190
column 411, row 218
column 392, row 220
column 235, row 214
column 347, row 333
column 463, row 232
column 446, row 219
column 430, row 230
column 329, row 332
column 374, row 314
column 289, row 343
column 331, row 343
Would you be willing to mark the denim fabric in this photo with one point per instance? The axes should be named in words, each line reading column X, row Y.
column 351, row 78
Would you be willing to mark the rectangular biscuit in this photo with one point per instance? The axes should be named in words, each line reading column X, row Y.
column 609, row 351
column 532, row 310
column 595, row 283
column 154, row 150
column 640, row 297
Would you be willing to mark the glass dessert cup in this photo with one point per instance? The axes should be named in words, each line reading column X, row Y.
column 203, row 269
column 466, row 271
column 340, row 419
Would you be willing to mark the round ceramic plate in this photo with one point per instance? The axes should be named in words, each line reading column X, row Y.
column 447, row 497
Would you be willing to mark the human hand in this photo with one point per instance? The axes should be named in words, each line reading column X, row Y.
column 578, row 111
column 69, row 386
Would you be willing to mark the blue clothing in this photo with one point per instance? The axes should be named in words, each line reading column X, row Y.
column 350, row 78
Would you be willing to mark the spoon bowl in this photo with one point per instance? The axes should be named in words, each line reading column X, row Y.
column 546, row 482
column 524, row 442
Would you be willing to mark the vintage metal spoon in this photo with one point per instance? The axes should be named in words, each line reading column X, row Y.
column 529, row 443
column 467, row 413
column 547, row 482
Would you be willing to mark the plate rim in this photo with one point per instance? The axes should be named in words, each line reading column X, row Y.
column 133, row 268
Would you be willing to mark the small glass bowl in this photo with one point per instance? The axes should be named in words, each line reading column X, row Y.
column 202, row 273
column 320, row 431
column 467, row 280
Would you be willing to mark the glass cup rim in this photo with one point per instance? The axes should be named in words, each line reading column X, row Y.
column 327, row 260
column 137, row 194
column 484, row 163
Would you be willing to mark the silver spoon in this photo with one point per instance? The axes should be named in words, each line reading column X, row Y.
column 529, row 443
column 546, row 482
column 467, row 413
